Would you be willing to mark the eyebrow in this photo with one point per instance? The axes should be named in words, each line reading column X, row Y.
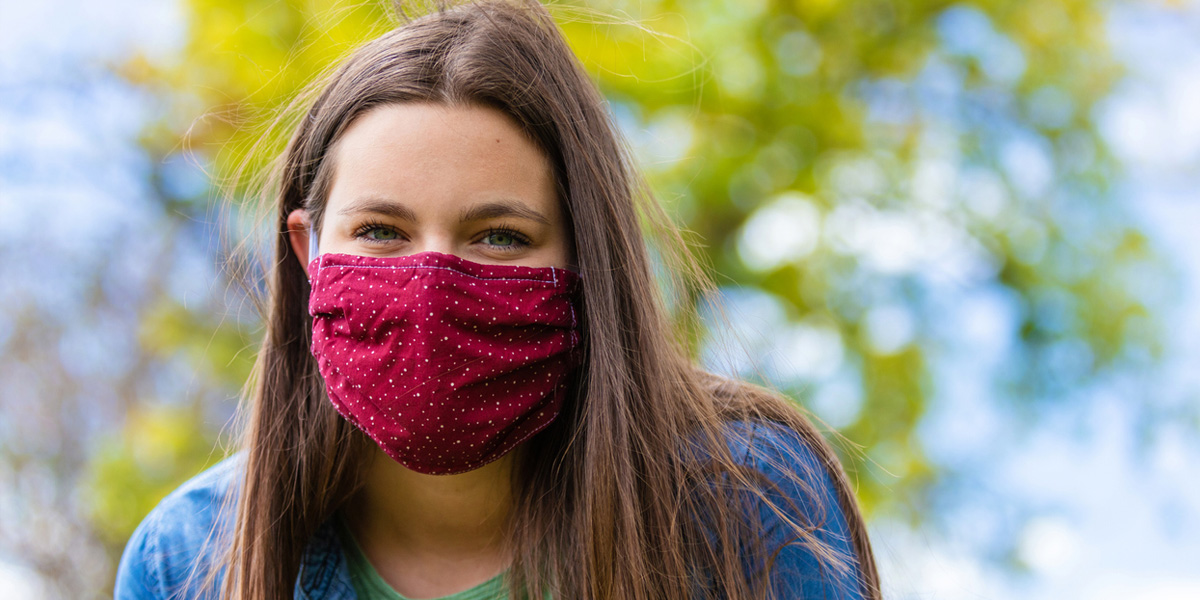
column 479, row 212
column 380, row 207
column 502, row 208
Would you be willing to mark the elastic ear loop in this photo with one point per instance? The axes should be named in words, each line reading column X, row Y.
column 312, row 244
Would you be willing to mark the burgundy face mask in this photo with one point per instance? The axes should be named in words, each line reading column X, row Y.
column 446, row 363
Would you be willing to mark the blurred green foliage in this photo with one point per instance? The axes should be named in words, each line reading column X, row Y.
column 165, row 441
column 222, row 354
column 133, row 469
column 856, row 162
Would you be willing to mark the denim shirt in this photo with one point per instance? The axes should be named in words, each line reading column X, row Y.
column 173, row 545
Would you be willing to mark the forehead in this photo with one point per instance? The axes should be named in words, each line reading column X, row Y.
column 439, row 155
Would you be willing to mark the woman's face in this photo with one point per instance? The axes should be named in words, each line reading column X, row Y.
column 419, row 177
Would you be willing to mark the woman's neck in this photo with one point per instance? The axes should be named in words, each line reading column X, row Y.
column 413, row 526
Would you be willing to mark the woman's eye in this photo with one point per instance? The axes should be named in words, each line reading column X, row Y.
column 381, row 234
column 500, row 239
column 505, row 239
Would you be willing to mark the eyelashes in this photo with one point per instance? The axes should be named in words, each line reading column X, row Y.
column 519, row 240
column 365, row 230
column 375, row 232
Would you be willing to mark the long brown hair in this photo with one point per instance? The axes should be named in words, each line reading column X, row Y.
column 633, row 492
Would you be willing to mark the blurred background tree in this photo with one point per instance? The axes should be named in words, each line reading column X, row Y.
column 881, row 188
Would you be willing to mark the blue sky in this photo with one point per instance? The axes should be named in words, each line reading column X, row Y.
column 1116, row 517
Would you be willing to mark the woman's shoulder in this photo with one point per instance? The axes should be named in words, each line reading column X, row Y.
column 173, row 546
column 780, row 453
column 800, row 518
column 756, row 439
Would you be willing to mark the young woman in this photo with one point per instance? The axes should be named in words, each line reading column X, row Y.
column 469, row 387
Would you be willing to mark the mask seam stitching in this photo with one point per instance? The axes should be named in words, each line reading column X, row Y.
column 554, row 281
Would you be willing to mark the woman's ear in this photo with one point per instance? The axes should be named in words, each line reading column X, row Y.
column 298, row 224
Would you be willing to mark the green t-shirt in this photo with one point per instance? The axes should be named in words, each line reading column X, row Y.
column 369, row 585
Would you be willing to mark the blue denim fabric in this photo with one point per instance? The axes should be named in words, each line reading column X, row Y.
column 169, row 554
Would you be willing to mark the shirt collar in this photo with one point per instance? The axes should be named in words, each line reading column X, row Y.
column 324, row 574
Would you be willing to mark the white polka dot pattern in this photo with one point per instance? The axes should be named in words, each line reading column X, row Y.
column 446, row 363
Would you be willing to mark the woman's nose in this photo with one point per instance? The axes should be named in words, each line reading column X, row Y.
column 438, row 242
